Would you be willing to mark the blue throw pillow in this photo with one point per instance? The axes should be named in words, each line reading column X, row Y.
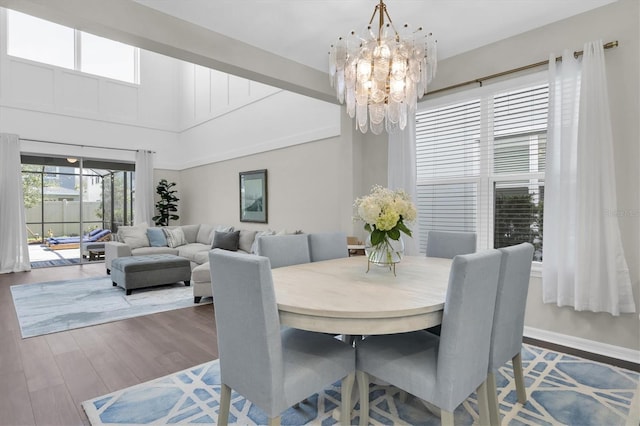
column 156, row 237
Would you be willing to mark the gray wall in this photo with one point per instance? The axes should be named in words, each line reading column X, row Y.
column 312, row 186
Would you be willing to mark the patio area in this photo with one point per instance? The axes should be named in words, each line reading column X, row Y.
column 42, row 256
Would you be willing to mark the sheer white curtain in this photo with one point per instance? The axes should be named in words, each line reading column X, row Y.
column 14, row 252
column 584, row 265
column 401, row 173
column 144, row 205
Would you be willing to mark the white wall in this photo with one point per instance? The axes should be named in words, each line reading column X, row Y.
column 617, row 21
column 39, row 101
column 225, row 117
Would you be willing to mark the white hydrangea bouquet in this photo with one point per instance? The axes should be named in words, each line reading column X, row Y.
column 384, row 213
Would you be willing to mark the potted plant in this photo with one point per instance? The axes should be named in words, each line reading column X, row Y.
column 167, row 203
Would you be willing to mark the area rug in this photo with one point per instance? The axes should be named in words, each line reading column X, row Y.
column 50, row 307
column 54, row 262
column 562, row 389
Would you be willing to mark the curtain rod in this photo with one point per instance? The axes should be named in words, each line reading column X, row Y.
column 479, row 81
column 85, row 146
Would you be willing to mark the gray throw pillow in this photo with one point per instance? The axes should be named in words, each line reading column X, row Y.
column 246, row 240
column 226, row 240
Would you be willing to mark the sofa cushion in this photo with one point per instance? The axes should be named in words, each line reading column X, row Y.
column 201, row 257
column 201, row 273
column 254, row 246
column 190, row 251
column 175, row 237
column 226, row 240
column 134, row 236
column 190, row 232
column 156, row 237
column 143, row 251
column 246, row 240
column 205, row 234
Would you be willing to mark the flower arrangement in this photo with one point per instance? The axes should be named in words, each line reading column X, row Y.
column 384, row 213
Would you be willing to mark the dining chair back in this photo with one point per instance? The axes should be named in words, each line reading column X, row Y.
column 327, row 246
column 442, row 370
column 508, row 321
column 267, row 365
column 448, row 244
column 285, row 250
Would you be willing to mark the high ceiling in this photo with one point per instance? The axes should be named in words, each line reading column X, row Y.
column 285, row 43
column 303, row 30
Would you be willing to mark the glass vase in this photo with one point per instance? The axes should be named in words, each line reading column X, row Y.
column 387, row 253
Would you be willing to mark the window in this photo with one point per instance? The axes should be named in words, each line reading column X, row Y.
column 480, row 165
column 39, row 40
column 43, row 41
column 107, row 58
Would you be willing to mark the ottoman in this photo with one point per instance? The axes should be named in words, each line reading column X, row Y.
column 131, row 272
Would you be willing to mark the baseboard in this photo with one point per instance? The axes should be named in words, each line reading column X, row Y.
column 586, row 345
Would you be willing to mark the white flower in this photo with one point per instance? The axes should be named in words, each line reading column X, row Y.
column 383, row 209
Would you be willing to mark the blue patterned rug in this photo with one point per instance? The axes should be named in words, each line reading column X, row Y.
column 50, row 307
column 561, row 389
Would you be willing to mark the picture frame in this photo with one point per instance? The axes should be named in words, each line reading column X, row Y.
column 253, row 196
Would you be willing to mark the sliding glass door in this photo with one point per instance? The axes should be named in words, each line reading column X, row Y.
column 73, row 205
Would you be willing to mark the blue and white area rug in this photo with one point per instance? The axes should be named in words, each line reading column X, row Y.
column 561, row 389
column 50, row 307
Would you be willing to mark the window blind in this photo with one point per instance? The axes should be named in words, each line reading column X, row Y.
column 481, row 161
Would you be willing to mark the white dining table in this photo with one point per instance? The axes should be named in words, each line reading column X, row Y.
column 339, row 296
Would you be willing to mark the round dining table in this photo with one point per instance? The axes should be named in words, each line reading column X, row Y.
column 339, row 296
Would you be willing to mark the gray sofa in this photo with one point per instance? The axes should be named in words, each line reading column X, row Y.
column 198, row 240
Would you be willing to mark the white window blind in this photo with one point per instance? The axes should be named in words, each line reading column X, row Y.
column 480, row 166
column 448, row 166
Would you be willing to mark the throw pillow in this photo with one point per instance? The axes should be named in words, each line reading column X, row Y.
column 246, row 240
column 156, row 237
column 226, row 240
column 175, row 237
column 134, row 236
column 254, row 246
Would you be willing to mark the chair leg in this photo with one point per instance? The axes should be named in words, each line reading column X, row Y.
column 225, row 404
column 492, row 398
column 274, row 421
column 363, row 387
column 483, row 404
column 446, row 418
column 346, row 406
column 518, row 375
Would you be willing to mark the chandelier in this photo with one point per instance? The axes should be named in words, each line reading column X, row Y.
column 382, row 73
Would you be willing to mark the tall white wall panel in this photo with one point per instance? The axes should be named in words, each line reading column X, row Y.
column 119, row 102
column 30, row 85
column 79, row 94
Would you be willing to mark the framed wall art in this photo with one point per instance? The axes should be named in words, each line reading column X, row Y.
column 253, row 196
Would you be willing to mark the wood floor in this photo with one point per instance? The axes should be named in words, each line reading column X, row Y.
column 44, row 379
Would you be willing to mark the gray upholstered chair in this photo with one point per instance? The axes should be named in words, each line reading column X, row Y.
column 328, row 245
column 443, row 370
column 448, row 244
column 285, row 250
column 272, row 367
column 508, row 322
